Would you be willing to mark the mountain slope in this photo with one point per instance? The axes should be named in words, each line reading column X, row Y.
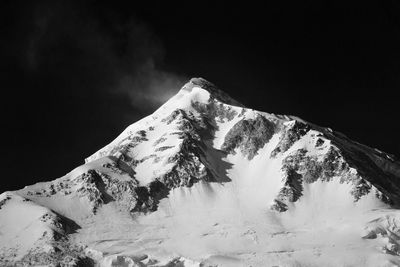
column 204, row 181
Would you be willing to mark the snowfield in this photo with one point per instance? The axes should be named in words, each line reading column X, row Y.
column 204, row 181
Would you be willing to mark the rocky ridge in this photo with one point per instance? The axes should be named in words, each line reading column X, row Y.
column 190, row 140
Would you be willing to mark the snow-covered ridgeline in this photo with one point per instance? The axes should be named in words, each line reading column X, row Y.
column 205, row 181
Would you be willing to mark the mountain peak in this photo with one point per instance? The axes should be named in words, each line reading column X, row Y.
column 205, row 173
column 214, row 91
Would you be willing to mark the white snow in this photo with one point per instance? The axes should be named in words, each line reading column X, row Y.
column 208, row 224
column 223, row 223
column 230, row 224
column 21, row 226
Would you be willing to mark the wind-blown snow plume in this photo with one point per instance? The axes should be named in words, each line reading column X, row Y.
column 116, row 56
column 205, row 181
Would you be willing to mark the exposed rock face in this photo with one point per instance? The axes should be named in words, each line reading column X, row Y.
column 291, row 192
column 200, row 143
column 215, row 111
column 100, row 188
column 188, row 166
column 300, row 168
column 89, row 188
column 385, row 181
column 148, row 197
column 291, row 134
column 249, row 136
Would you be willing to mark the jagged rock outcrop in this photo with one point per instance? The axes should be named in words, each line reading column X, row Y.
column 291, row 134
column 249, row 136
column 204, row 146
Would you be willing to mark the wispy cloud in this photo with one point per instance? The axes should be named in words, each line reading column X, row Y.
column 97, row 56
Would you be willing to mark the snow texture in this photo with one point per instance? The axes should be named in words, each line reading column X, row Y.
column 204, row 181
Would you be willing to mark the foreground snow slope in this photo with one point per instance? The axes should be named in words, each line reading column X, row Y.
column 204, row 181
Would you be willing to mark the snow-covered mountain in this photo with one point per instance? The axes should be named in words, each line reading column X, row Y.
column 205, row 181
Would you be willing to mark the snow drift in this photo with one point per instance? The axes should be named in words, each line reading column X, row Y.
column 205, row 181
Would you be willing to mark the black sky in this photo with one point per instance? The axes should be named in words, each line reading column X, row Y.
column 74, row 74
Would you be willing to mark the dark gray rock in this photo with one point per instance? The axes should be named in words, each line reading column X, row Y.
column 290, row 136
column 291, row 191
column 215, row 111
column 249, row 136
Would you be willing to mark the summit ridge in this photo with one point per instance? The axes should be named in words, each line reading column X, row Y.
column 212, row 89
column 205, row 181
